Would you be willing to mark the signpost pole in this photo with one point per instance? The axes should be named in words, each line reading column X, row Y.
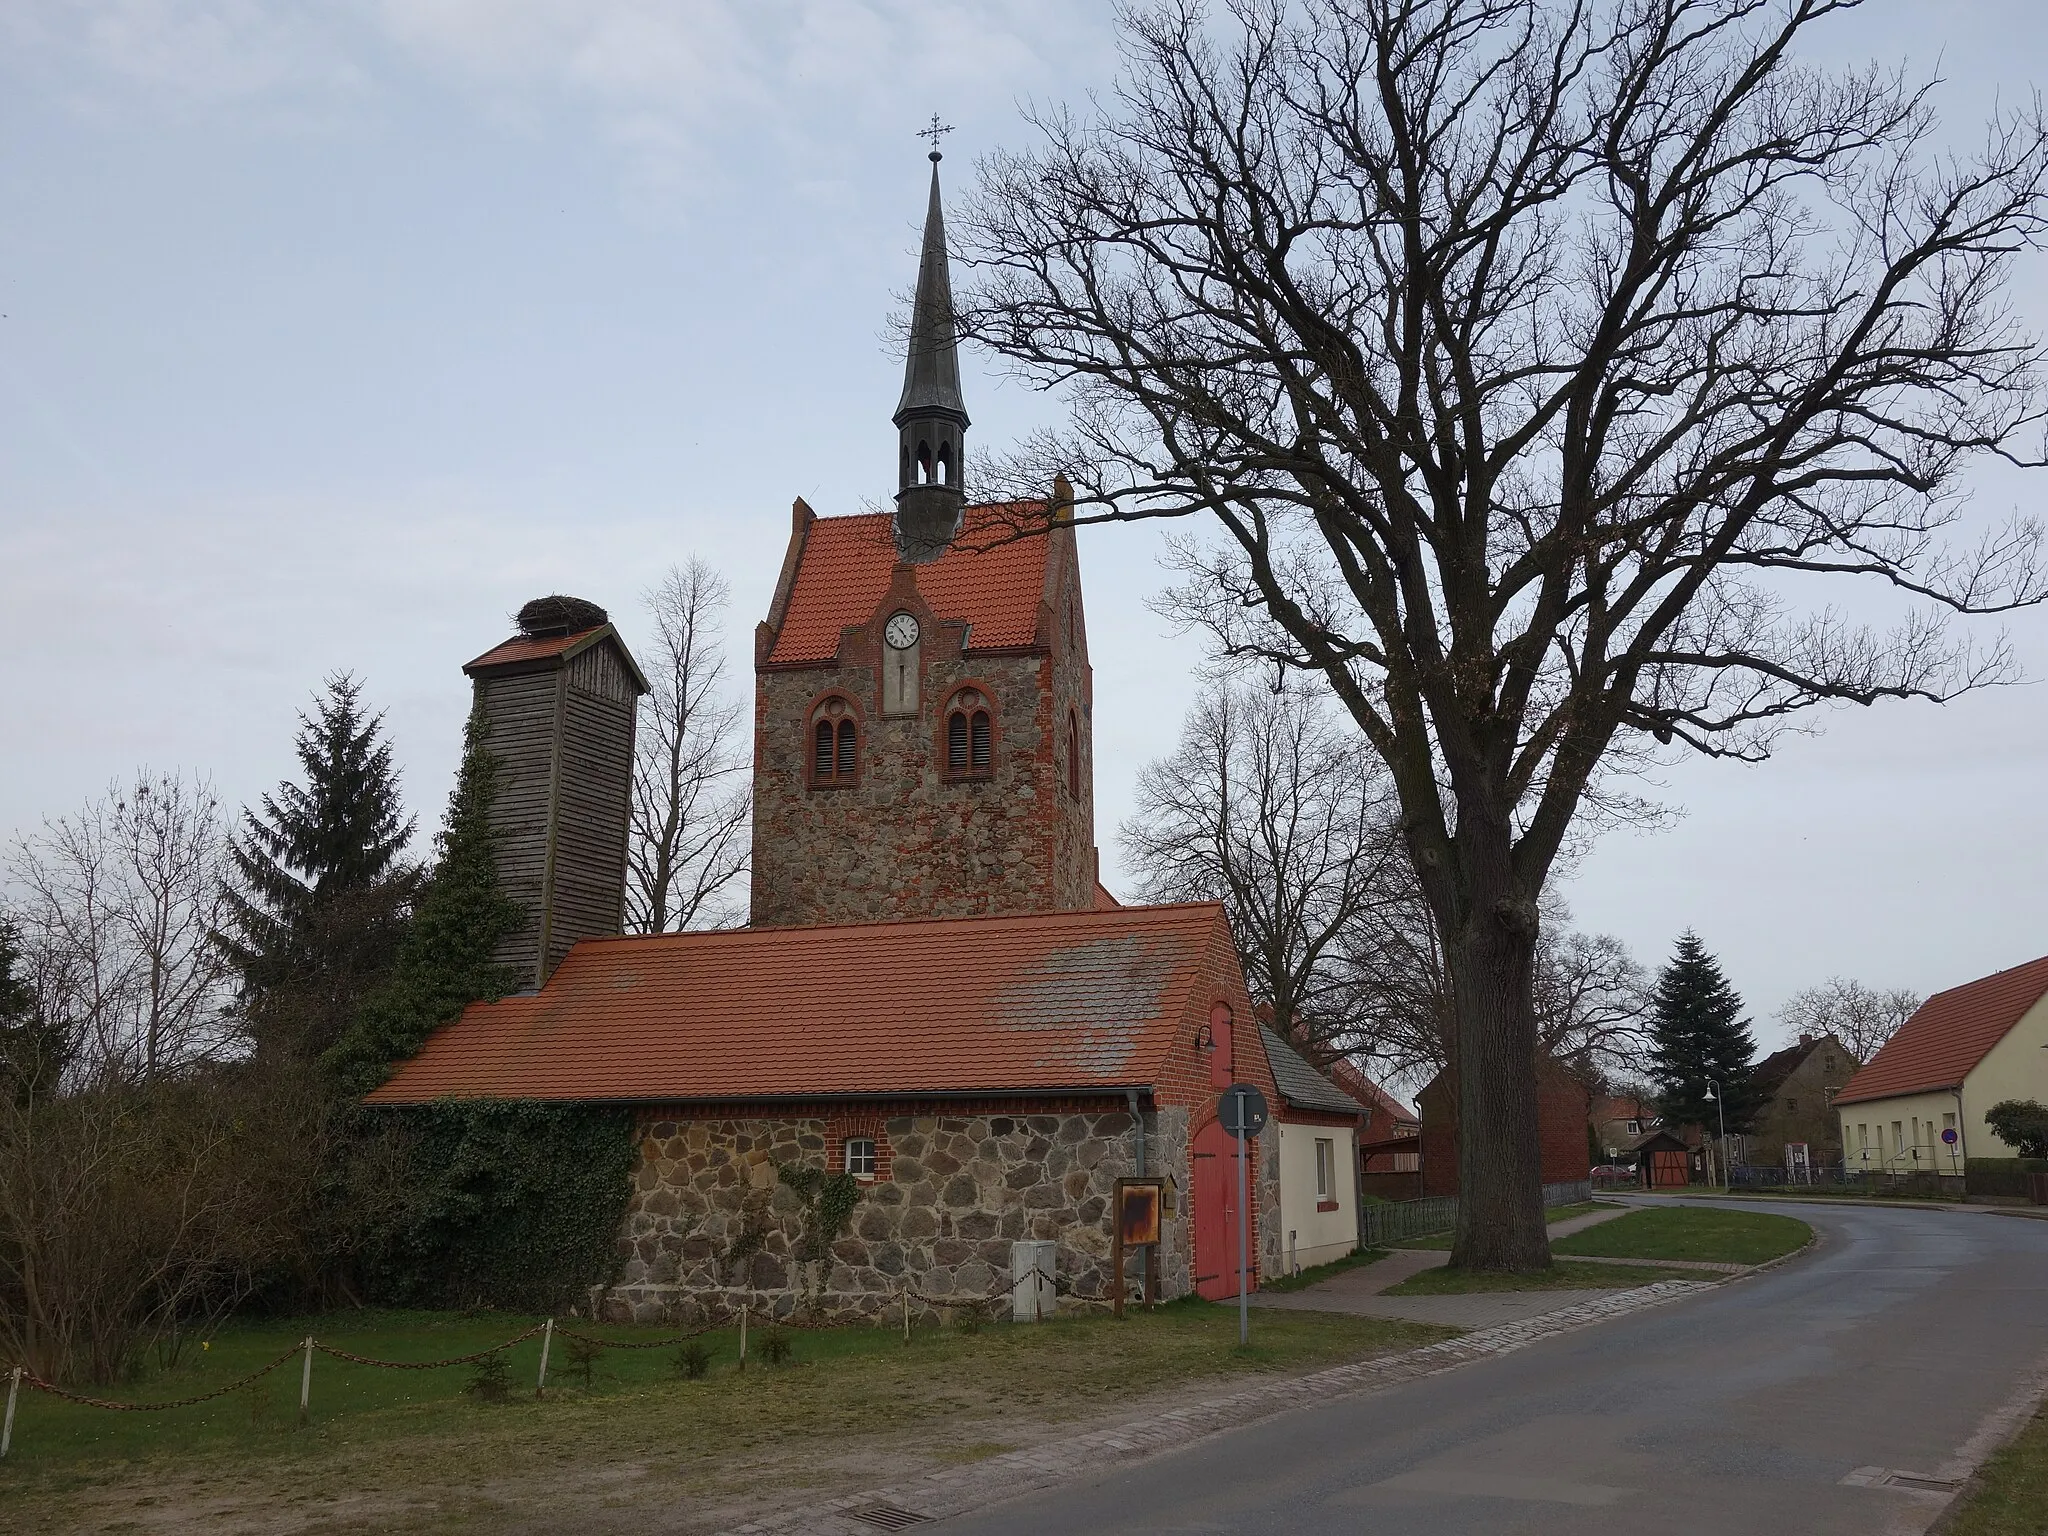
column 1244, row 1310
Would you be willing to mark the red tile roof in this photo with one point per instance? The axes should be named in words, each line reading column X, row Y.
column 1057, row 1000
column 1952, row 1031
column 529, row 648
column 991, row 582
column 1370, row 1094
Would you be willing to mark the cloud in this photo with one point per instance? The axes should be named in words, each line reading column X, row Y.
column 193, row 51
column 669, row 83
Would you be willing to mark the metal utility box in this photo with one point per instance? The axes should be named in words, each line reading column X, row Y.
column 1033, row 1294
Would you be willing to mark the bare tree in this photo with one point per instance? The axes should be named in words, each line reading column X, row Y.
column 1540, row 367
column 1591, row 998
column 691, row 795
column 1861, row 1017
column 1266, row 806
column 130, row 1210
column 120, row 905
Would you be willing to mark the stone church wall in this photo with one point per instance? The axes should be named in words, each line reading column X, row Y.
column 711, row 1225
column 907, row 839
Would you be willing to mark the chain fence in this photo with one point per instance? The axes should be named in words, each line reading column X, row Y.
column 757, row 1314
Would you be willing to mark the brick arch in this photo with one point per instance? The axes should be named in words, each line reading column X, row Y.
column 941, row 724
column 846, row 762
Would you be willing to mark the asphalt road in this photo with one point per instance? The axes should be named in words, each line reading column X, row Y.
column 1888, row 1346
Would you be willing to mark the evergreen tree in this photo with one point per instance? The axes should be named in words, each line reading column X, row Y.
column 445, row 961
column 324, row 885
column 1699, row 1037
column 33, row 1050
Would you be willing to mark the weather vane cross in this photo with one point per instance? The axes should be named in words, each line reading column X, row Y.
column 935, row 132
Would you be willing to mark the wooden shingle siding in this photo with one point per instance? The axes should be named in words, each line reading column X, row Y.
column 562, row 732
column 521, row 711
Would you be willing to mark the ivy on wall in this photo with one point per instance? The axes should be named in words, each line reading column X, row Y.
column 506, row 1203
column 828, row 1200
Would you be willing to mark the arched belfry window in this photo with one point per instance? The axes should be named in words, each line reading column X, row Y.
column 970, row 734
column 1073, row 755
column 835, row 743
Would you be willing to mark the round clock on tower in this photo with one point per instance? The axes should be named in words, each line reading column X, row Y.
column 899, row 664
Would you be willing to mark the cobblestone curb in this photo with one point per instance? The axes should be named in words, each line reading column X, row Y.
column 939, row 1495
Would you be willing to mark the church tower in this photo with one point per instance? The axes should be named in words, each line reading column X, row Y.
column 923, row 737
column 931, row 417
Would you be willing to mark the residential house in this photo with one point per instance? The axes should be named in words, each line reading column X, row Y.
column 1617, row 1120
column 1796, row 1087
column 1919, row 1103
column 1318, row 1129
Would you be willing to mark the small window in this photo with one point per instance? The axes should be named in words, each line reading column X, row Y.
column 1326, row 1168
column 1073, row 755
column 1790, row 1105
column 1635, row 1127
column 835, row 743
column 970, row 734
column 860, row 1156
column 1827, row 1063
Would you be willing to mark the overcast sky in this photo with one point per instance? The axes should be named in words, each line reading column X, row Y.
column 333, row 332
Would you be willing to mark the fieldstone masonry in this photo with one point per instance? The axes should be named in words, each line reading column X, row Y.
column 711, row 1225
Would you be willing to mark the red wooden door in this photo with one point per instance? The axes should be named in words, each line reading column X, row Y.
column 1215, row 1176
column 1667, row 1170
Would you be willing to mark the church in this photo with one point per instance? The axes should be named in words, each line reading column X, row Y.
column 934, row 995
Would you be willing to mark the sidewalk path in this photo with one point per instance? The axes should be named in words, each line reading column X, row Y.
column 1359, row 1291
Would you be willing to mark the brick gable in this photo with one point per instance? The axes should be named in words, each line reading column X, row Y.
column 904, row 837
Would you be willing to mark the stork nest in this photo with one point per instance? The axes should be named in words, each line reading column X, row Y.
column 559, row 615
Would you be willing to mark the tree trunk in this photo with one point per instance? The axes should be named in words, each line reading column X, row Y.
column 1492, row 957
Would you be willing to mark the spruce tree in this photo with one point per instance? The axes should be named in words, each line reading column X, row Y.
column 33, row 1050
column 315, row 921
column 1699, row 1037
column 446, row 959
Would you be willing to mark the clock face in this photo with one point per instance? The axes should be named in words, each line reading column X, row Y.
column 901, row 631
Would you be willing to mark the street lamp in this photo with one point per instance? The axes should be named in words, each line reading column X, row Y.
column 1721, row 1115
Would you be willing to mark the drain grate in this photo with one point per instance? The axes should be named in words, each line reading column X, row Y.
column 1926, row 1484
column 887, row 1517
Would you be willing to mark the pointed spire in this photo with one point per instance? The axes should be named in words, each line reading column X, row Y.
column 931, row 418
column 931, row 370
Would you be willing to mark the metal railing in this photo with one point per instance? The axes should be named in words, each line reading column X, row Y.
column 1385, row 1222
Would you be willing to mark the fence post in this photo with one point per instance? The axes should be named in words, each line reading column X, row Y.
column 306, row 1382
column 547, row 1340
column 906, row 1311
column 743, row 1335
column 7, row 1427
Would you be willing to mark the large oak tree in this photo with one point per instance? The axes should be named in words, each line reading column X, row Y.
column 1541, row 369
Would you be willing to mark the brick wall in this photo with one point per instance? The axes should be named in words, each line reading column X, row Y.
column 1562, row 1106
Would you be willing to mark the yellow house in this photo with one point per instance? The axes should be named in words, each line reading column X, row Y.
column 1918, row 1105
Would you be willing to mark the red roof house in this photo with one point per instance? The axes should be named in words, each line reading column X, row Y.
column 1918, row 1105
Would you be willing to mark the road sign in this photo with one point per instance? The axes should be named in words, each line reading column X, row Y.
column 1949, row 1135
column 1242, row 1110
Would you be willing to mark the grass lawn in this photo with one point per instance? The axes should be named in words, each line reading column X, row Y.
column 2011, row 1494
column 1555, row 1214
column 1564, row 1276
column 408, row 1451
column 1317, row 1272
column 1690, row 1232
